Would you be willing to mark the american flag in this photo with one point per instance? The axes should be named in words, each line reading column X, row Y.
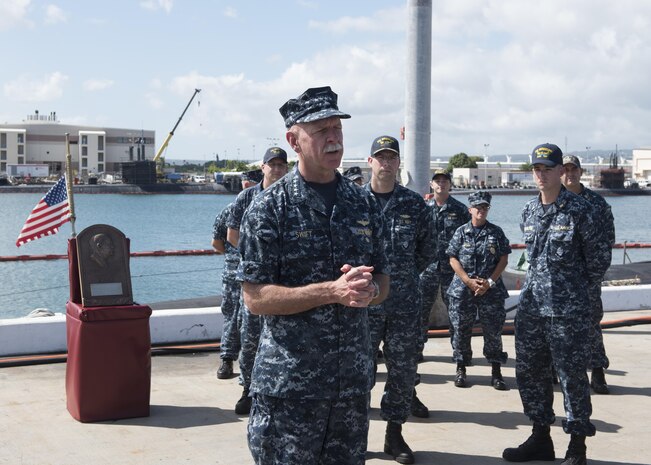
column 50, row 212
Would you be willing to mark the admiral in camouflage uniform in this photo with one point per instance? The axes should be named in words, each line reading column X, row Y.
column 553, row 322
column 397, row 321
column 312, row 261
column 478, row 253
column 448, row 214
column 230, row 342
column 605, row 223
column 274, row 166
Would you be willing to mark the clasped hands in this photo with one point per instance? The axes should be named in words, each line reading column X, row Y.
column 355, row 286
column 478, row 286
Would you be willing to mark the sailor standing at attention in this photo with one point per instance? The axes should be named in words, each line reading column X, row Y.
column 274, row 167
column 553, row 322
column 605, row 223
column 397, row 321
column 312, row 262
column 230, row 343
column 448, row 214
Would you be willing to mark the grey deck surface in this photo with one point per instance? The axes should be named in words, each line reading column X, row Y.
column 192, row 419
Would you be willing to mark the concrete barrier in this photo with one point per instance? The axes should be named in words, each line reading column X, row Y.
column 614, row 299
column 47, row 334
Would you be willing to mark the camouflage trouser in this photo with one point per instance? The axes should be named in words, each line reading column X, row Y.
column 463, row 313
column 308, row 432
column 429, row 286
column 230, row 343
column 250, row 327
column 400, row 333
column 599, row 359
column 541, row 341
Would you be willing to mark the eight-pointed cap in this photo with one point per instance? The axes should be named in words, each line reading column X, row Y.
column 354, row 173
column 479, row 198
column 314, row 104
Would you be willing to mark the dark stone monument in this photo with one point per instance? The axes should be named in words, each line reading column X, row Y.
column 104, row 275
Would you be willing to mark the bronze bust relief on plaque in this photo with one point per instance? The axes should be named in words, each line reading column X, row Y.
column 104, row 272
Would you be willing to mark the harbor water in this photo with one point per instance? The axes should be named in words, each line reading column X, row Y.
column 182, row 222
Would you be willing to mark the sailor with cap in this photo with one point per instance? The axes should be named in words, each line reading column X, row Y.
column 448, row 215
column 274, row 167
column 229, row 348
column 603, row 218
column 312, row 262
column 397, row 321
column 354, row 173
column 478, row 252
column 553, row 323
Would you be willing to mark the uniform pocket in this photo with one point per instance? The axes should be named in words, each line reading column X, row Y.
column 561, row 246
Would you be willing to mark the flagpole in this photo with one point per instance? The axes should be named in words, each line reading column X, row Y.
column 71, row 200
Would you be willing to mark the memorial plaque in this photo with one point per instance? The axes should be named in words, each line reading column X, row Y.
column 104, row 272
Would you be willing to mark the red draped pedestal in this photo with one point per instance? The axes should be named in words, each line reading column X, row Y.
column 108, row 372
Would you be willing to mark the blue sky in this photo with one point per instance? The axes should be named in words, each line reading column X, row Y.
column 508, row 73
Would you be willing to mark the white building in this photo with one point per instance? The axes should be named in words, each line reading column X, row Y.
column 642, row 164
column 41, row 140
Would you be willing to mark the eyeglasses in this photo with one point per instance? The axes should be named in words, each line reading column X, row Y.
column 382, row 158
column 482, row 206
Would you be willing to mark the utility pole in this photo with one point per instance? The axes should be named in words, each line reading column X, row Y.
column 486, row 165
column 418, row 106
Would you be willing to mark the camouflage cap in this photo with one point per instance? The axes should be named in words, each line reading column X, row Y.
column 385, row 143
column 441, row 172
column 547, row 154
column 274, row 152
column 479, row 198
column 354, row 173
column 312, row 105
column 572, row 159
column 253, row 176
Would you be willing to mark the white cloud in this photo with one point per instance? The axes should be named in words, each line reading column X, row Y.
column 237, row 111
column 509, row 73
column 54, row 15
column 515, row 72
column 155, row 5
column 27, row 89
column 13, row 13
column 92, row 85
column 391, row 20
column 230, row 12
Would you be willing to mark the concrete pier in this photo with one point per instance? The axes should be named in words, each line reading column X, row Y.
column 192, row 419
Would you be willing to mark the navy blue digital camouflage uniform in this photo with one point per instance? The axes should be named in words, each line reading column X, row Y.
column 314, row 370
column 553, row 322
column 397, row 321
column 447, row 218
column 479, row 252
column 249, row 324
column 230, row 343
column 605, row 223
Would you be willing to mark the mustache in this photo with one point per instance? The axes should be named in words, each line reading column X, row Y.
column 333, row 147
